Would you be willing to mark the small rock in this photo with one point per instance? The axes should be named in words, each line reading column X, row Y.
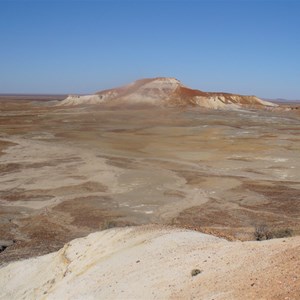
column 195, row 272
column 5, row 244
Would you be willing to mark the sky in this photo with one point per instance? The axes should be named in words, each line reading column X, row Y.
column 72, row 46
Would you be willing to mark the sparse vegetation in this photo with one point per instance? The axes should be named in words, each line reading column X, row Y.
column 108, row 224
column 263, row 232
column 287, row 232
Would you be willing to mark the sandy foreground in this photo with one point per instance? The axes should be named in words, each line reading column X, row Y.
column 152, row 262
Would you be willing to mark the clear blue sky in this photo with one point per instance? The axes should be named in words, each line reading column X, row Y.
column 247, row 47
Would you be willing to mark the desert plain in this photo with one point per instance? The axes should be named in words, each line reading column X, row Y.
column 66, row 172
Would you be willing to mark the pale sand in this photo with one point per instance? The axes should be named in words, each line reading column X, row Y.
column 153, row 262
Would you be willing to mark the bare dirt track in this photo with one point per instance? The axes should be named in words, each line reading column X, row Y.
column 66, row 172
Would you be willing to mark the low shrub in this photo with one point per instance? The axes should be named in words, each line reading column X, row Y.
column 263, row 232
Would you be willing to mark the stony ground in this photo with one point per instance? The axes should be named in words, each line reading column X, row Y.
column 66, row 172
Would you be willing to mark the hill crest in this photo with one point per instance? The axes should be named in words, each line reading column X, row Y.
column 165, row 91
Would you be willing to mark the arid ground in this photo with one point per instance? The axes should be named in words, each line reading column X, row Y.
column 69, row 171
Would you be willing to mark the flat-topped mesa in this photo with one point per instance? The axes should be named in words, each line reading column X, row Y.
column 165, row 91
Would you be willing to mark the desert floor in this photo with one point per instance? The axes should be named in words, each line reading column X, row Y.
column 67, row 172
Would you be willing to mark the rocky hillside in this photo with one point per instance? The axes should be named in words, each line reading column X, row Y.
column 152, row 262
column 166, row 92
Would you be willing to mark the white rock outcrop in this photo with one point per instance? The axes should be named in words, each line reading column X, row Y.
column 73, row 100
column 151, row 262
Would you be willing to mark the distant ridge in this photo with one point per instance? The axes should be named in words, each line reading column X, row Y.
column 165, row 91
column 281, row 100
column 32, row 97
